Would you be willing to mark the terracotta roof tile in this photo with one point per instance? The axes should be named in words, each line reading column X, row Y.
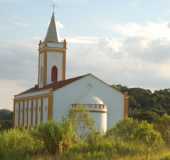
column 56, row 85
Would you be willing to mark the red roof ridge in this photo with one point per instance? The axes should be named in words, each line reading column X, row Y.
column 55, row 85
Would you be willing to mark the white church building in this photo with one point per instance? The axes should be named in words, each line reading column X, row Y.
column 55, row 95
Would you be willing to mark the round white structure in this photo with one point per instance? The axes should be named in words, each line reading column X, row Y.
column 97, row 109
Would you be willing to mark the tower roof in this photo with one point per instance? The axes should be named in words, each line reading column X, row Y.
column 51, row 35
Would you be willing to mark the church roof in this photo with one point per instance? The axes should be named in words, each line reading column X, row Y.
column 51, row 35
column 56, row 85
column 59, row 84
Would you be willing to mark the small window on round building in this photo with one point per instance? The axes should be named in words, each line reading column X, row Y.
column 54, row 74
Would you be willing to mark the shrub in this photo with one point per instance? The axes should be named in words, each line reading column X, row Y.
column 148, row 116
column 163, row 126
column 140, row 133
column 82, row 121
column 56, row 136
column 145, row 134
column 51, row 135
column 122, row 148
column 167, row 157
column 124, row 130
column 17, row 144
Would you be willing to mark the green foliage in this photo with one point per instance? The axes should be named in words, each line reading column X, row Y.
column 163, row 126
column 51, row 135
column 147, row 105
column 81, row 120
column 56, row 137
column 146, row 134
column 5, row 119
column 69, row 137
column 17, row 144
column 149, row 116
column 124, row 130
column 167, row 157
column 141, row 133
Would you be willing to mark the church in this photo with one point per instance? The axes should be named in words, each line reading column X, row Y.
column 55, row 95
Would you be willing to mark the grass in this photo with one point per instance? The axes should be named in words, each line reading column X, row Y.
column 154, row 156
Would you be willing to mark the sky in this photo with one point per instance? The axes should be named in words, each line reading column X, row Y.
column 122, row 42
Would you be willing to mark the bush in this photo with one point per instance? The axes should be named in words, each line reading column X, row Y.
column 124, row 130
column 56, row 136
column 167, row 157
column 17, row 144
column 140, row 133
column 51, row 135
column 146, row 134
column 122, row 148
column 148, row 116
column 163, row 126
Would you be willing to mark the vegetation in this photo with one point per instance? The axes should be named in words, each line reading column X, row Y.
column 144, row 136
column 145, row 104
column 5, row 119
column 129, row 139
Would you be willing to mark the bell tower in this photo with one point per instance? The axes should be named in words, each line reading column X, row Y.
column 52, row 57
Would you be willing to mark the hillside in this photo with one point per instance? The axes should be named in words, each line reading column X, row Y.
column 5, row 119
column 145, row 104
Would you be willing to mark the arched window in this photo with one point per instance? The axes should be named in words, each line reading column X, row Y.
column 54, row 74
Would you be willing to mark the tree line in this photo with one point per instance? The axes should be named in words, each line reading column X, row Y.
column 145, row 104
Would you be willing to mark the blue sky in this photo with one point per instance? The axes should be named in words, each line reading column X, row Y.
column 125, row 41
column 83, row 17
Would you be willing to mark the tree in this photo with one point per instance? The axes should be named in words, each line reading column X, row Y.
column 57, row 137
column 163, row 126
column 145, row 134
column 81, row 120
column 124, row 129
column 51, row 135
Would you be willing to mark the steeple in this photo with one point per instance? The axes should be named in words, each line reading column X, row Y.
column 52, row 57
column 51, row 35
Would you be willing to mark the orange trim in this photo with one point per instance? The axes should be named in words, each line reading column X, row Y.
column 126, row 104
column 64, row 65
column 41, row 109
column 50, row 106
column 36, row 114
column 32, row 104
column 23, row 110
column 45, row 68
column 14, row 112
column 27, row 112
column 45, row 49
column 39, row 77
column 19, row 114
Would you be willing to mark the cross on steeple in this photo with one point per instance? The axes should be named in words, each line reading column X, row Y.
column 53, row 7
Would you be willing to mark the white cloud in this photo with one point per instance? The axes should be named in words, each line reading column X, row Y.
column 148, row 30
column 140, row 56
column 59, row 24
column 9, row 88
column 82, row 40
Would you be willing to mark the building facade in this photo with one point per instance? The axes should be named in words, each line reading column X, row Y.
column 54, row 95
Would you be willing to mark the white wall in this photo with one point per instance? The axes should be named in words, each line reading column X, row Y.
column 25, row 113
column 16, row 114
column 45, row 109
column 100, row 121
column 41, row 68
column 21, row 113
column 74, row 92
column 54, row 58
column 29, row 113
column 34, row 112
column 39, row 112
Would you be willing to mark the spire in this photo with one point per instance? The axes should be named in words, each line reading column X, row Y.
column 52, row 32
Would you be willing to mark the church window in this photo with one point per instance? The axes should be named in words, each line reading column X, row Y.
column 54, row 74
